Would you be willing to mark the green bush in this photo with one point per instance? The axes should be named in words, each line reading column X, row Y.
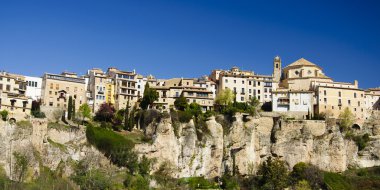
column 336, row 181
column 113, row 145
column 4, row 115
column 361, row 141
column 185, row 116
column 200, row 183
column 137, row 182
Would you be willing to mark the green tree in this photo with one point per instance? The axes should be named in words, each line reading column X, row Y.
column 302, row 185
column 150, row 95
column 144, row 165
column 225, row 97
column 274, row 174
column 105, row 113
column 195, row 109
column 73, row 111
column 181, row 103
column 84, row 112
column 21, row 165
column 4, row 115
column 346, row 119
column 70, row 108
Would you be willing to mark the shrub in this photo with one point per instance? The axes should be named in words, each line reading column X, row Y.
column 181, row 103
column 20, row 166
column 114, row 146
column 361, row 141
column 274, row 174
column 88, row 178
column 336, row 181
column 4, row 115
column 185, row 116
column 105, row 113
column 137, row 182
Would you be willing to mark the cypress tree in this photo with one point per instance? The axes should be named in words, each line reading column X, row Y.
column 126, row 116
column 70, row 108
column 73, row 112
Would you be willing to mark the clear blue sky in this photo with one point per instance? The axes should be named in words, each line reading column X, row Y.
column 190, row 38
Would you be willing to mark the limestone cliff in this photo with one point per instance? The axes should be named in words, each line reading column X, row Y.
column 45, row 146
column 249, row 141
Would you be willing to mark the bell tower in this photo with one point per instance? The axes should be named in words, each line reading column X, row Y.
column 277, row 69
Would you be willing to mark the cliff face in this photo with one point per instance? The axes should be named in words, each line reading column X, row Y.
column 240, row 145
column 247, row 144
column 45, row 146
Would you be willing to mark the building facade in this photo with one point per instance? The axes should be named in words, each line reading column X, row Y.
column 12, row 96
column 58, row 88
column 101, row 88
column 33, row 87
column 245, row 84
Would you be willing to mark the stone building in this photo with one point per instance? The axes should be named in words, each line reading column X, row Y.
column 329, row 98
column 126, row 87
column 247, row 84
column 101, row 88
column 200, row 91
column 12, row 96
column 57, row 88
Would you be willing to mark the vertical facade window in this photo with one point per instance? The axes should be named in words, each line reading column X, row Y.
column 355, row 95
column 324, row 92
column 340, row 94
column 242, row 90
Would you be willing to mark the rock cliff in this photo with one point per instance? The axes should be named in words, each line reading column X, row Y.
column 246, row 142
column 44, row 146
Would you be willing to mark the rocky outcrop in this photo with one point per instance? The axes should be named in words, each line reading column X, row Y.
column 249, row 141
column 45, row 147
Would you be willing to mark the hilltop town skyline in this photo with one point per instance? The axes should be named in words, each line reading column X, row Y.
column 187, row 39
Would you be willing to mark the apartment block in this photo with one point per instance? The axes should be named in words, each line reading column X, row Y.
column 245, row 84
column 126, row 87
column 57, row 89
column 12, row 95
column 101, row 89
column 194, row 90
column 33, row 87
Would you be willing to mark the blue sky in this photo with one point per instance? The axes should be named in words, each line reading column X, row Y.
column 190, row 38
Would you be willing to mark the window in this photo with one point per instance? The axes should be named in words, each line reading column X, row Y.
column 242, row 98
column 226, row 80
column 258, row 83
column 324, row 92
column 325, row 100
column 50, row 103
column 258, row 91
column 340, row 101
column 358, row 103
column 340, row 94
column 242, row 82
column 1, row 86
column 250, row 82
column 355, row 95
column 265, row 90
column 8, row 87
column 56, row 86
column 234, row 89
column 242, row 90
column 176, row 94
column 250, row 90
column 235, row 81
column 349, row 102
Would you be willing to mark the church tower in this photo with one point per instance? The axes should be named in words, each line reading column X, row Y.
column 277, row 69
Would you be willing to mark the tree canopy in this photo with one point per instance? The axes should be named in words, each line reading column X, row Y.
column 85, row 111
column 225, row 97
column 150, row 95
column 181, row 103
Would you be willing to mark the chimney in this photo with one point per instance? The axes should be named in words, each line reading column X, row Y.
column 356, row 83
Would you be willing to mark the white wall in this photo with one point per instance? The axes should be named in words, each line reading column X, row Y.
column 33, row 88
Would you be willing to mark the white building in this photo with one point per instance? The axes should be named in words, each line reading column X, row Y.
column 33, row 87
column 294, row 103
